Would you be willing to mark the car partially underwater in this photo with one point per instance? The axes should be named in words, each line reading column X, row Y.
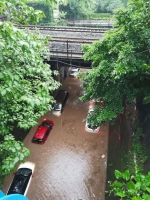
column 43, row 131
column 22, row 179
column 74, row 72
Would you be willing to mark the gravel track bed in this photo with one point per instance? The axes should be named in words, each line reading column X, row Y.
column 72, row 34
column 74, row 47
column 77, row 47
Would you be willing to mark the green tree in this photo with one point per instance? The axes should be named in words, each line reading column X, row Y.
column 18, row 11
column 46, row 8
column 78, row 9
column 108, row 6
column 120, row 63
column 121, row 72
column 26, row 82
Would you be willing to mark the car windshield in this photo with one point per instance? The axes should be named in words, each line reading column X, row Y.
column 23, row 171
column 57, row 107
column 19, row 184
column 46, row 124
column 75, row 70
column 37, row 140
column 20, row 181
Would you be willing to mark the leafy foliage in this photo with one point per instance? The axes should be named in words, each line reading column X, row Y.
column 46, row 9
column 132, row 183
column 61, row 21
column 84, row 9
column 12, row 152
column 20, row 12
column 121, row 72
column 128, row 187
column 120, row 62
column 78, row 9
column 109, row 6
column 26, row 82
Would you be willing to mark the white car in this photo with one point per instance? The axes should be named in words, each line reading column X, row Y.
column 22, row 179
column 74, row 71
column 61, row 99
column 57, row 109
column 88, row 128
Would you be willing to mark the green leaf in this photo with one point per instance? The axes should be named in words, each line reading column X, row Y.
column 121, row 194
column 131, row 185
column 118, row 174
column 148, row 189
column 3, row 92
column 126, row 175
column 146, row 197
column 137, row 198
column 16, row 160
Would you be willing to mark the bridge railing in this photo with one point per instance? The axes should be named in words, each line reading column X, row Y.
column 65, row 53
column 67, row 48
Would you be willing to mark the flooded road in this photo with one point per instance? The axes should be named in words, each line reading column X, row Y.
column 72, row 163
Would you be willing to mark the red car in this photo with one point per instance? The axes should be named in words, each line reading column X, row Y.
column 42, row 132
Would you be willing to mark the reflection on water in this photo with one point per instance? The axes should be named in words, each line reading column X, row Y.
column 62, row 173
column 66, row 175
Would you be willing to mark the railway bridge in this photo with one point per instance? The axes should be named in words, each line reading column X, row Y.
column 66, row 43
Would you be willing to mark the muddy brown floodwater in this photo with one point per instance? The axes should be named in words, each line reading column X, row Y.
column 70, row 163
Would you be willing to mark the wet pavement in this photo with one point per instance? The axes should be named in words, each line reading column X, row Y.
column 72, row 163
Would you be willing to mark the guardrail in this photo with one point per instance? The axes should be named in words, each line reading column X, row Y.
column 69, row 54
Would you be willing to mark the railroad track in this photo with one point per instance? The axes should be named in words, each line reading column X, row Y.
column 70, row 46
column 66, row 29
column 73, row 40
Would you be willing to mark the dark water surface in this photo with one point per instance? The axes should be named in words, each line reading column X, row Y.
column 70, row 163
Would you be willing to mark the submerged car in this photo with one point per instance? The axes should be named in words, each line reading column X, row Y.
column 88, row 127
column 61, row 99
column 74, row 71
column 21, row 180
column 42, row 132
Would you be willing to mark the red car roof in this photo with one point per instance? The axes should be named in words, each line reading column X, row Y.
column 40, row 132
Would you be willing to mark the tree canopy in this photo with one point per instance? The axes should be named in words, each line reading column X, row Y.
column 108, row 6
column 78, row 9
column 82, row 9
column 26, row 82
column 120, row 63
column 46, row 8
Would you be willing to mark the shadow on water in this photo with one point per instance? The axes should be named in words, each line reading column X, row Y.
column 117, row 149
column 144, row 117
column 119, row 141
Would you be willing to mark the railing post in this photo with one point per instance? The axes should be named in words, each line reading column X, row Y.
column 81, row 48
column 67, row 48
column 71, row 55
column 57, row 58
